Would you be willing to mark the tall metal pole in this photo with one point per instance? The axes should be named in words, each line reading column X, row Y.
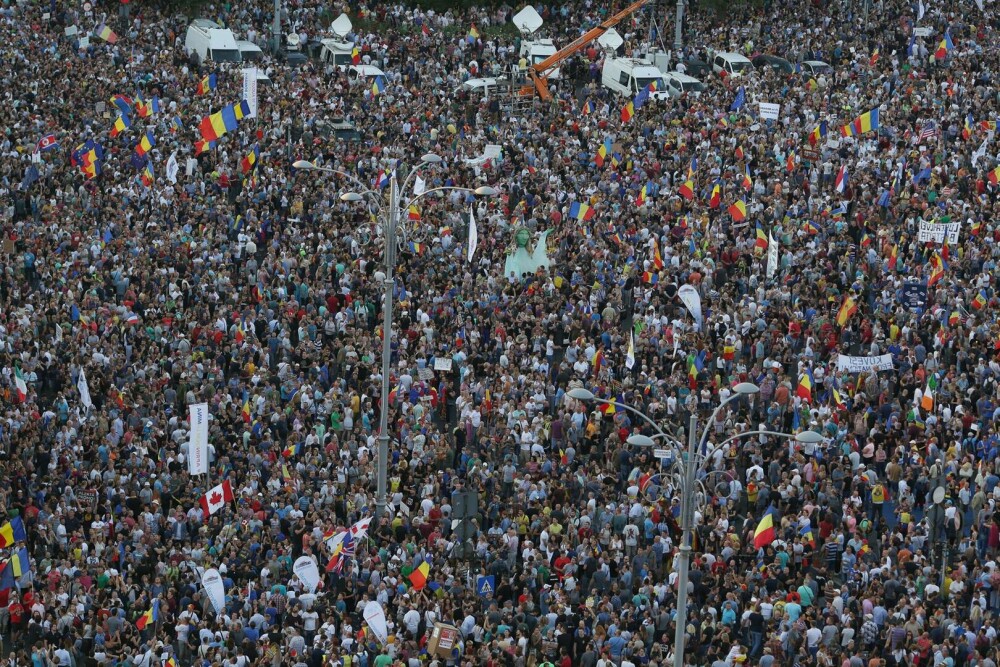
column 276, row 27
column 391, row 225
column 678, row 22
column 684, row 557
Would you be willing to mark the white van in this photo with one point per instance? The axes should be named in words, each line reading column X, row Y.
column 211, row 42
column 679, row 84
column 534, row 49
column 249, row 52
column 337, row 54
column 627, row 76
column 370, row 72
column 733, row 64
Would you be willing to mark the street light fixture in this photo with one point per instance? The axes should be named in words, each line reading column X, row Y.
column 391, row 212
column 688, row 481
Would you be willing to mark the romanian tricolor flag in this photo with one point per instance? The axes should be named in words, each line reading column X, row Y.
column 581, row 211
column 747, row 181
column 413, row 212
column 818, row 133
column 11, row 532
column 597, row 361
column 151, row 616
column 588, row 107
column 146, row 175
column 988, row 125
column 938, row 267
column 765, row 533
column 806, row 532
column 874, row 58
column 790, row 161
column 893, row 257
column 738, row 210
column 176, row 124
column 977, row 227
column 603, row 152
column 643, row 196
column 866, row 122
column 378, row 86
column 657, row 257
column 106, row 33
column 147, row 108
column 804, row 390
column 292, row 450
column 628, row 111
column 419, row 576
column 416, row 248
column 216, row 125
column 980, row 301
column 145, row 144
column 967, row 128
column 355, row 56
column 945, row 47
column 650, row 277
column 245, row 412
column 202, row 145
column 994, row 176
column 846, row 312
column 715, row 196
column 761, row 242
column 123, row 102
column 739, row 153
column 250, row 160
column 207, row 83
column 837, row 400
column 122, row 123
column 687, row 189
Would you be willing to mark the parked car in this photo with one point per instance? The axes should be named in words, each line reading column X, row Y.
column 815, row 67
column 733, row 64
column 678, row 84
column 777, row 63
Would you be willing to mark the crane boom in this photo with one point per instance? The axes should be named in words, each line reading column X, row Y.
column 539, row 71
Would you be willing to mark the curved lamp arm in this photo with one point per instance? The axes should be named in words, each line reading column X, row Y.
column 638, row 413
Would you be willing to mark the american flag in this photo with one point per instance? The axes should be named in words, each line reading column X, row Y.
column 929, row 130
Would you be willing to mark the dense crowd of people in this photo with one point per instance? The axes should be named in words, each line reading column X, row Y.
column 181, row 273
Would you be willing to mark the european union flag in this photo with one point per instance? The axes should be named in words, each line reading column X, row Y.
column 741, row 98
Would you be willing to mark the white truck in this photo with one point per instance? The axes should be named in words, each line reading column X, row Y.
column 212, row 42
column 534, row 48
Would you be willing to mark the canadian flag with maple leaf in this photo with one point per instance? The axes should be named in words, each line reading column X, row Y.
column 216, row 498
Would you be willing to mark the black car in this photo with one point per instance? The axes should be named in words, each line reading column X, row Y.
column 777, row 63
column 699, row 69
column 294, row 58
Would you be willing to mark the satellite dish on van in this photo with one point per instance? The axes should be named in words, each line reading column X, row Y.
column 292, row 41
column 939, row 494
column 527, row 20
column 611, row 40
column 341, row 26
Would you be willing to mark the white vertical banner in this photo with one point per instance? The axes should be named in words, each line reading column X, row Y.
column 250, row 89
column 198, row 445
column 692, row 301
column 419, row 186
column 307, row 571
column 473, row 234
column 375, row 618
column 214, row 589
column 772, row 256
column 84, row 389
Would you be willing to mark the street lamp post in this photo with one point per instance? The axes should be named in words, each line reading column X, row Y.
column 691, row 465
column 678, row 20
column 391, row 215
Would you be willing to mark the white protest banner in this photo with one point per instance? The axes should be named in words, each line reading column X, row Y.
column 307, row 571
column 214, row 589
column 375, row 618
column 84, row 389
column 935, row 231
column 769, row 111
column 692, row 301
column 250, row 89
column 882, row 362
column 198, row 443
column 772, row 256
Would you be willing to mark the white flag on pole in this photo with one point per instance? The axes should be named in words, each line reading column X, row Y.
column 214, row 589
column 630, row 355
column 198, row 444
column 772, row 256
column 980, row 152
column 979, row 3
column 473, row 234
column 921, row 10
column 692, row 301
column 419, row 186
column 172, row 167
column 84, row 389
